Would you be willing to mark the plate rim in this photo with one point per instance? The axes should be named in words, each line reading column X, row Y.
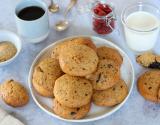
column 80, row 120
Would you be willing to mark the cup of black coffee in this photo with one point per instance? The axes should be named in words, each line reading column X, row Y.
column 32, row 20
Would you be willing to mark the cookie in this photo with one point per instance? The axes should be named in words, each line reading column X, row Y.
column 78, row 60
column 72, row 91
column 7, row 51
column 149, row 60
column 70, row 113
column 57, row 49
column 148, row 85
column 158, row 58
column 13, row 93
column 107, row 75
column 109, row 53
column 111, row 96
column 79, row 40
column 84, row 41
column 44, row 76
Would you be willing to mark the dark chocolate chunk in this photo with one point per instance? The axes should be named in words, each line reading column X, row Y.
column 39, row 69
column 155, row 65
column 78, row 109
column 86, row 94
column 11, row 80
column 99, row 76
column 110, row 66
column 73, row 113
column 150, row 88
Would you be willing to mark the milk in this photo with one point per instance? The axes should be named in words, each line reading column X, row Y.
column 141, row 30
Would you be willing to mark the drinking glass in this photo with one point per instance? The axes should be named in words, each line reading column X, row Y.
column 141, row 40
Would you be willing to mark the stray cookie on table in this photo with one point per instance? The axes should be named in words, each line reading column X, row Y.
column 13, row 93
column 149, row 60
column 149, row 85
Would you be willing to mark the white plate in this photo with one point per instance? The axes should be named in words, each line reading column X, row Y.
column 96, row 112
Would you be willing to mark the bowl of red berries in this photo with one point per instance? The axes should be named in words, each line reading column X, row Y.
column 103, row 18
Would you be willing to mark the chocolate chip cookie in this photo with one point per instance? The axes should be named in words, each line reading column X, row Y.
column 148, row 85
column 111, row 96
column 107, row 75
column 44, row 76
column 72, row 91
column 149, row 60
column 109, row 53
column 79, row 40
column 78, row 60
column 71, row 113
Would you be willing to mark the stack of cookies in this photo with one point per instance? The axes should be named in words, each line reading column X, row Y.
column 78, row 73
column 109, row 88
column 149, row 82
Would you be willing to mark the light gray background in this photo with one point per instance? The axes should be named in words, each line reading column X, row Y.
column 136, row 110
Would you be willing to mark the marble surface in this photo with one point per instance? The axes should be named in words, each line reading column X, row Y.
column 136, row 110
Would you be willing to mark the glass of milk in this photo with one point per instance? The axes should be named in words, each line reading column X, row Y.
column 141, row 23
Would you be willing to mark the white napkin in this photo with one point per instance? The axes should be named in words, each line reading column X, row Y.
column 6, row 119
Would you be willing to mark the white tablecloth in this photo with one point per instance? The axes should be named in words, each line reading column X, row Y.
column 136, row 110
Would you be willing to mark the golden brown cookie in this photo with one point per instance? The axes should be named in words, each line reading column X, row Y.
column 148, row 85
column 71, row 113
column 44, row 76
column 149, row 60
column 13, row 93
column 109, row 53
column 57, row 49
column 79, row 40
column 84, row 41
column 158, row 58
column 78, row 60
column 111, row 96
column 107, row 75
column 7, row 51
column 72, row 91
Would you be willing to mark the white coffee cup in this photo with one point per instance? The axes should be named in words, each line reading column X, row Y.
column 33, row 31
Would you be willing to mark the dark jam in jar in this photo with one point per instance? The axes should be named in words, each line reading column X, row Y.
column 103, row 18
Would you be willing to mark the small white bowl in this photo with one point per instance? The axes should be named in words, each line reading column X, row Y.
column 9, row 36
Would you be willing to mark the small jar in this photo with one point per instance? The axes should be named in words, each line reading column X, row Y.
column 103, row 18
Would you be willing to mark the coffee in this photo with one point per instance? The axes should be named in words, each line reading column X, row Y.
column 31, row 13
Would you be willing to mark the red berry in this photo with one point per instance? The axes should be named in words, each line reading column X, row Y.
column 102, row 13
column 107, row 10
column 100, row 6
column 95, row 10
